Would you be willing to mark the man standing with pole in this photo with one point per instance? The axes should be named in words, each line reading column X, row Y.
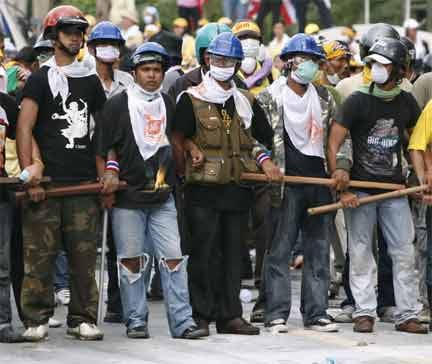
column 58, row 102
column 377, row 116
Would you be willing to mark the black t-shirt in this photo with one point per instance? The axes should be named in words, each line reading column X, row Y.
column 117, row 133
column 11, row 108
column 376, row 127
column 230, row 196
column 63, row 130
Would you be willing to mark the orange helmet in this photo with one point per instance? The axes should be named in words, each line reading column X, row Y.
column 63, row 15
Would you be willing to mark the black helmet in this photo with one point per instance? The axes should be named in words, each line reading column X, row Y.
column 392, row 49
column 377, row 31
column 411, row 50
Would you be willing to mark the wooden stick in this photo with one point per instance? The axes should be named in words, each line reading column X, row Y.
column 323, row 181
column 364, row 200
column 17, row 181
column 84, row 189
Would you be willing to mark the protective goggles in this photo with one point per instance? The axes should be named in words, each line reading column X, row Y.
column 221, row 61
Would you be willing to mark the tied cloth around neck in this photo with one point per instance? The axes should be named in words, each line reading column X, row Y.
column 374, row 90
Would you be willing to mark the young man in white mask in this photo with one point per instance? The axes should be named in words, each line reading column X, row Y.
column 57, row 104
column 299, row 113
column 377, row 116
column 104, row 44
column 221, row 124
column 144, row 217
column 255, row 74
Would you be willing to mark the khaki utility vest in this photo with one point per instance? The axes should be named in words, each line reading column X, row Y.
column 226, row 144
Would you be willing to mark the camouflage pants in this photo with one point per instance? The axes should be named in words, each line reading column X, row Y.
column 70, row 223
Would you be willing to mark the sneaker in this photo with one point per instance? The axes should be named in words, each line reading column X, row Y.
column 36, row 333
column 53, row 323
column 139, row 332
column 412, row 326
column 9, row 336
column 63, row 296
column 277, row 326
column 193, row 332
column 323, row 325
column 364, row 324
column 387, row 315
column 85, row 331
column 238, row 326
column 345, row 317
column 257, row 316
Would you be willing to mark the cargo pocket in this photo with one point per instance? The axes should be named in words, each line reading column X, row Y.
column 249, row 166
column 210, row 133
column 211, row 172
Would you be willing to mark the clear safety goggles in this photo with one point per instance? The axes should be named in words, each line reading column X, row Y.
column 221, row 61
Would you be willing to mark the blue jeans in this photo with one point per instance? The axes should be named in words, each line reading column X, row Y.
column 395, row 220
column 61, row 275
column 139, row 234
column 5, row 235
column 288, row 219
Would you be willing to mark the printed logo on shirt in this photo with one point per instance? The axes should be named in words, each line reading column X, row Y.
column 77, row 123
column 381, row 155
column 153, row 128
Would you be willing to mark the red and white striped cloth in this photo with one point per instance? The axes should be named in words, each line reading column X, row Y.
column 287, row 10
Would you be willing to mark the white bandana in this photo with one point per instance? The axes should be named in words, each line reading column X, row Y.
column 210, row 91
column 302, row 117
column 57, row 76
column 148, row 118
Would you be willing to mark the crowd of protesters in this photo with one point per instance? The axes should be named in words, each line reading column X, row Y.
column 169, row 123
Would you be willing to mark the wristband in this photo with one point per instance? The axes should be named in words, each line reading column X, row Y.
column 112, row 165
column 262, row 157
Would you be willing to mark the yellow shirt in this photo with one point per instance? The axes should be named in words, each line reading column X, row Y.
column 256, row 90
column 422, row 134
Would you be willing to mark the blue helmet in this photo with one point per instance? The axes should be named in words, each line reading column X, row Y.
column 301, row 43
column 106, row 30
column 226, row 45
column 151, row 52
column 205, row 36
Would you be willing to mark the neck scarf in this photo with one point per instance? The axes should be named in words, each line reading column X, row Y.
column 210, row 91
column 302, row 117
column 58, row 75
column 374, row 90
column 148, row 118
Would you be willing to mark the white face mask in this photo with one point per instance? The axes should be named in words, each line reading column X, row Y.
column 379, row 73
column 148, row 19
column 333, row 79
column 221, row 74
column 248, row 65
column 251, row 47
column 107, row 54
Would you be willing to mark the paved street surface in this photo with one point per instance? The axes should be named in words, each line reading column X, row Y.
column 299, row 346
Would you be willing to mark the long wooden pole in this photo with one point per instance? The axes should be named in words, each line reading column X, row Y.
column 364, row 200
column 84, row 189
column 17, row 181
column 322, row 181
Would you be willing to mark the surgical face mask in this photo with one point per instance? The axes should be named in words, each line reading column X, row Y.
column 248, row 65
column 148, row 19
column 333, row 79
column 305, row 72
column 221, row 73
column 43, row 57
column 107, row 54
column 251, row 47
column 379, row 73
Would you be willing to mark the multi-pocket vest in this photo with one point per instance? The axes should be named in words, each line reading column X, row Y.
column 226, row 144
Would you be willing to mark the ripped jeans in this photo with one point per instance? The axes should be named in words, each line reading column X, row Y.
column 139, row 234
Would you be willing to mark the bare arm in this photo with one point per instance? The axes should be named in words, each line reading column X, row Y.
column 178, row 145
column 337, row 137
column 24, row 134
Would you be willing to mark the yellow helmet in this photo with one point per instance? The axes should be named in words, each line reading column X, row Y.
column 312, row 28
column 225, row 20
column 180, row 22
column 246, row 29
column 90, row 19
column 203, row 22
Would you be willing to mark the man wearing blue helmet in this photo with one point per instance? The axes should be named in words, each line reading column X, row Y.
column 299, row 113
column 220, row 124
column 144, row 217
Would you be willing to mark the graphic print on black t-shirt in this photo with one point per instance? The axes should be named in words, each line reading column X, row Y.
column 76, row 116
column 381, row 153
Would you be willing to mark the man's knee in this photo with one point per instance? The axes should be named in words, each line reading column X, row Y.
column 134, row 264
